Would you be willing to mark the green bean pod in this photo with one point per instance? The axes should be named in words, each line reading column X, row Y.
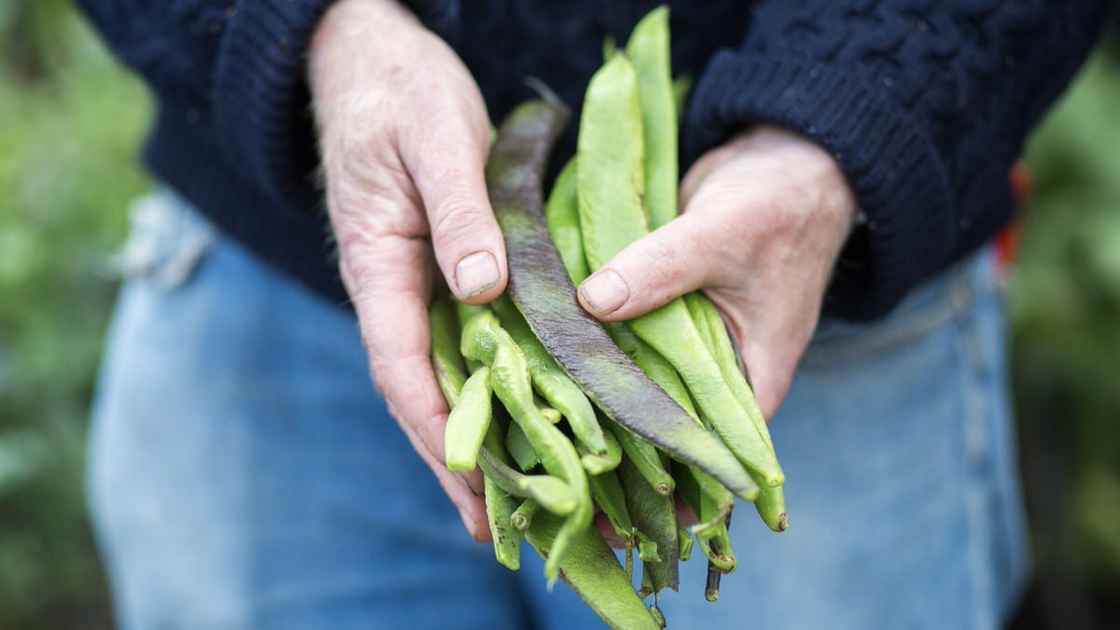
column 467, row 423
column 686, row 544
column 714, row 551
column 647, row 549
column 550, row 414
column 599, row 464
column 563, row 225
column 682, row 85
column 522, row 517
column 593, row 572
column 562, row 214
column 500, row 507
column 709, row 501
column 446, row 361
column 648, row 49
column 612, row 217
column 608, row 494
column 718, row 341
column 654, row 365
column 451, row 378
column 550, row 380
column 711, row 586
column 645, row 458
column 654, row 516
column 671, row 332
column 551, row 493
column 770, row 504
column 519, row 448
column 484, row 340
column 540, row 287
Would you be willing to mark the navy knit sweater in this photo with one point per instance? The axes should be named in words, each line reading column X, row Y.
column 924, row 103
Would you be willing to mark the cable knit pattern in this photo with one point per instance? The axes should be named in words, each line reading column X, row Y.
column 924, row 103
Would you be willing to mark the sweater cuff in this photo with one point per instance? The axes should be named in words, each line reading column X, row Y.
column 891, row 164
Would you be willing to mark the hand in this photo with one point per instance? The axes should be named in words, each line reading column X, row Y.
column 404, row 135
column 765, row 218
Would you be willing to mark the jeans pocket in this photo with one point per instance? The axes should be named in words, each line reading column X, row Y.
column 167, row 241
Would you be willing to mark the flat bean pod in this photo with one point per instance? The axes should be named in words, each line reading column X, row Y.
column 655, row 366
column 562, row 213
column 451, row 378
column 552, row 493
column 593, row 572
column 645, row 458
column 484, row 340
column 686, row 544
column 522, row 517
column 507, row 540
column 542, row 291
column 608, row 494
column 655, row 516
column 500, row 507
column 519, row 448
column 550, row 380
column 610, row 181
column 648, row 49
column 770, row 504
column 468, row 422
column 446, row 361
column 682, row 85
column 599, row 464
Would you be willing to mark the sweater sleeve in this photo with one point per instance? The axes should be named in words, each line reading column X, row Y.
column 924, row 104
column 240, row 66
column 261, row 100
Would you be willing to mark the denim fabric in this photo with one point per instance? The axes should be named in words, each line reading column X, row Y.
column 245, row 475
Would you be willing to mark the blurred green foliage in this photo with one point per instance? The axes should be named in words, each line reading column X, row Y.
column 71, row 122
column 1065, row 308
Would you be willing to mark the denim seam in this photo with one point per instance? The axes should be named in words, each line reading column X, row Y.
column 976, row 445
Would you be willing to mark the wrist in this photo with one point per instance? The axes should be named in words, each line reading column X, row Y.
column 813, row 169
column 353, row 35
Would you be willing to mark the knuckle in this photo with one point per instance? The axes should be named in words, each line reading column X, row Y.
column 668, row 261
column 459, row 218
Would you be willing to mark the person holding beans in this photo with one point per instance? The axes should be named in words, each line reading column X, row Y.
column 321, row 169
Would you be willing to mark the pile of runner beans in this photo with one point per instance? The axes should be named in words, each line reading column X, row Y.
column 617, row 418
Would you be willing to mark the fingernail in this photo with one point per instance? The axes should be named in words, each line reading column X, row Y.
column 604, row 292
column 476, row 273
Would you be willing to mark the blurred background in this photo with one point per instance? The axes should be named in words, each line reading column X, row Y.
column 70, row 125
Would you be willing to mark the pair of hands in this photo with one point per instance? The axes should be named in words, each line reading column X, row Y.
column 404, row 136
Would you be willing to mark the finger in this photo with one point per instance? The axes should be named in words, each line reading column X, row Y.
column 770, row 354
column 447, row 162
column 471, row 507
column 649, row 272
column 388, row 283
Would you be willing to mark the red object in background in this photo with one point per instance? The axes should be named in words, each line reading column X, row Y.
column 1007, row 241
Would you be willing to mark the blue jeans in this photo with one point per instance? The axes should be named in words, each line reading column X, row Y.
column 245, row 475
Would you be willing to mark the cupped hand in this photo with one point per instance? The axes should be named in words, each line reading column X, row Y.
column 765, row 217
column 404, row 135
